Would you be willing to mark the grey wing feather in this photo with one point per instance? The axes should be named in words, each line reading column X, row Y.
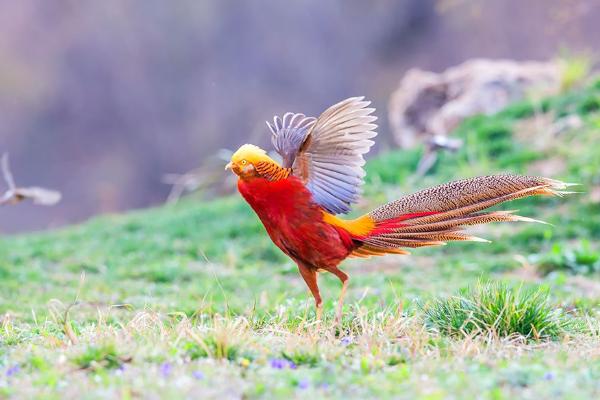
column 331, row 156
column 289, row 133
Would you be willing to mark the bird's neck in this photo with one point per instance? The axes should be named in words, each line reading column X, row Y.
column 272, row 171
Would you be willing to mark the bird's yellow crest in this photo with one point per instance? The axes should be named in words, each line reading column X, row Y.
column 251, row 154
column 250, row 161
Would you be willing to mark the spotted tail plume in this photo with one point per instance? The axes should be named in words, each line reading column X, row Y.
column 437, row 215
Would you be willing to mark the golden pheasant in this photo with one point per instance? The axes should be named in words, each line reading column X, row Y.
column 321, row 175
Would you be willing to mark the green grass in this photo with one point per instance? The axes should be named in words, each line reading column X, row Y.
column 98, row 358
column 496, row 310
column 581, row 260
column 193, row 299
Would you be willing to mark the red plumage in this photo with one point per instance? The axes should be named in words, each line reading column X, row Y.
column 295, row 222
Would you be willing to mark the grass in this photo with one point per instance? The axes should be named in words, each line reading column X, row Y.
column 582, row 260
column 98, row 358
column 193, row 299
column 499, row 311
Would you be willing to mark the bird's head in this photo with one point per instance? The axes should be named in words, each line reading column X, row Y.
column 245, row 160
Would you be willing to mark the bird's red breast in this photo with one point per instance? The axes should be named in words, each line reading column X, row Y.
column 295, row 222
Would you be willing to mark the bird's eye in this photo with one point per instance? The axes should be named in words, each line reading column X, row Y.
column 244, row 162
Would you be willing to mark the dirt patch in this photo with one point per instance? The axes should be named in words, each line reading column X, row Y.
column 391, row 264
column 595, row 194
column 527, row 272
column 584, row 286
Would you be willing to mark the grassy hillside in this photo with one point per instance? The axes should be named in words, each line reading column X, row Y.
column 194, row 298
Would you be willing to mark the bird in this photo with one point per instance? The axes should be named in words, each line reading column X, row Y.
column 300, row 199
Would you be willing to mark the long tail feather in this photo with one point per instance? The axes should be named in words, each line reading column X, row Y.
column 436, row 215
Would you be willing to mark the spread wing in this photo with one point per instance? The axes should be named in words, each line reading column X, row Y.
column 328, row 153
column 289, row 133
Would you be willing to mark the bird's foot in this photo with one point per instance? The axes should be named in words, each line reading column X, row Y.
column 338, row 316
column 319, row 313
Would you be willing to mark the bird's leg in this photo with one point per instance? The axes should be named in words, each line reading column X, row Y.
column 319, row 311
column 344, row 279
column 310, row 277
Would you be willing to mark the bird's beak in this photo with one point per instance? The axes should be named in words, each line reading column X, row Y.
column 228, row 166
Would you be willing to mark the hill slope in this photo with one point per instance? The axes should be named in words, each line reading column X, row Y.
column 194, row 297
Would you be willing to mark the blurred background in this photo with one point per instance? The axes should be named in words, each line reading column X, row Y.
column 100, row 100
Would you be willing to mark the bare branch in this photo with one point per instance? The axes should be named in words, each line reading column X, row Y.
column 209, row 176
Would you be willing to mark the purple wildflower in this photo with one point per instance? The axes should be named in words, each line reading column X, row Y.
column 303, row 384
column 198, row 375
column 324, row 385
column 13, row 370
column 346, row 341
column 166, row 369
column 549, row 376
column 280, row 363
